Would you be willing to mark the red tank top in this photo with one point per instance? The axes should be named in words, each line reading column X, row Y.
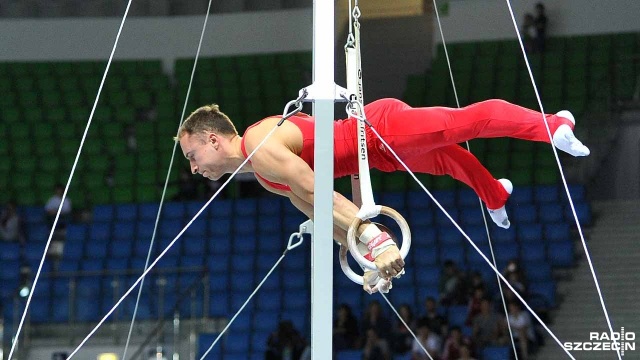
column 345, row 146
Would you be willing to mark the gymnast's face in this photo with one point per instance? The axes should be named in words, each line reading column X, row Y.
column 204, row 154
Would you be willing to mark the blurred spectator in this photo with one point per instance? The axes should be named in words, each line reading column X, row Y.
column 521, row 329
column 541, row 27
column 130, row 136
column 401, row 337
column 474, row 304
column 375, row 347
column 528, row 33
column 516, row 278
column 51, row 208
column 465, row 353
column 432, row 318
column 10, row 224
column 374, row 319
column 453, row 343
column 488, row 327
column 429, row 340
column 452, row 286
column 345, row 329
column 285, row 343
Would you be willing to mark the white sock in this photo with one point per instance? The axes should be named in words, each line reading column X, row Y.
column 499, row 216
column 565, row 140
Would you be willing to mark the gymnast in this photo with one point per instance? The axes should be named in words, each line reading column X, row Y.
column 426, row 139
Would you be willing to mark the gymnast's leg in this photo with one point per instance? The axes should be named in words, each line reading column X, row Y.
column 457, row 162
column 433, row 127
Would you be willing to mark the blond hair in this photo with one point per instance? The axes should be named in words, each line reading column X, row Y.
column 207, row 118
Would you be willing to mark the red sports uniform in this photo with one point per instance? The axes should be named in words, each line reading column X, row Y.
column 426, row 139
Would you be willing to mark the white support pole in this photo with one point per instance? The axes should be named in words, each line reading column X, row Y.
column 322, row 244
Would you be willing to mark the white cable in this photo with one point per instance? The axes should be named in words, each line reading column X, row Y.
column 172, row 242
column 470, row 241
column 564, row 181
column 243, row 306
column 166, row 184
column 484, row 216
column 406, row 325
column 66, row 188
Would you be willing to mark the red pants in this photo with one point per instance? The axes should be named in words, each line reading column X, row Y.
column 426, row 139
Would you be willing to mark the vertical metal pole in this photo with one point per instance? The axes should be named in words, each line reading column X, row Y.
column 322, row 245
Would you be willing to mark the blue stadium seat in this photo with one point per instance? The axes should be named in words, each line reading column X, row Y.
column 220, row 245
column 126, row 212
column 99, row 232
column 442, row 220
column 269, row 300
column 194, row 245
column 219, row 226
column 474, row 260
column 296, row 301
column 524, row 214
column 221, row 209
column 557, row 232
column 452, row 252
column 499, row 235
column 394, row 200
column 245, row 226
column 472, row 216
column 193, row 207
column 33, row 215
column 242, row 281
column 88, row 286
column 244, row 243
column 457, row 315
column 197, row 228
column 533, row 251
column 103, row 213
column 403, row 295
column 269, row 224
column 96, row 249
column 418, row 200
column 264, row 262
column 546, row 289
column 10, row 251
column 144, row 230
column 259, row 341
column 60, row 309
column 76, row 233
column 477, row 233
column 295, row 262
column 427, row 275
column 10, row 269
column 583, row 211
column 506, row 252
column 173, row 210
column 496, row 353
column 170, row 228
column 298, row 318
column 428, row 291
column 468, row 198
column 450, row 236
column 561, row 253
column 245, row 207
column 270, row 206
column 124, row 230
column 272, row 244
column 521, row 195
column 551, row 213
column 40, row 232
column 265, row 321
column 204, row 342
column 60, row 288
column 217, row 264
column 40, row 310
column 168, row 261
column 241, row 263
column 117, row 264
column 446, row 198
column 529, row 233
column 538, row 271
column 219, row 305
column 148, row 211
column 243, row 322
column 425, row 255
column 296, row 281
column 68, row 264
column 121, row 248
column 141, row 248
column 420, row 218
column 577, row 193
column 546, row 194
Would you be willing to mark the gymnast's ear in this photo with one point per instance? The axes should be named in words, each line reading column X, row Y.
column 213, row 139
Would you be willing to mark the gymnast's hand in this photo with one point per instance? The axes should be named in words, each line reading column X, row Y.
column 372, row 283
column 389, row 263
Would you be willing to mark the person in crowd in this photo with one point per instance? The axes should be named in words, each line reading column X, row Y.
column 474, row 304
column 52, row 205
column 541, row 27
column 521, row 329
column 451, row 349
column 529, row 33
column 429, row 340
column 376, row 319
column 465, row 353
column 488, row 327
column 375, row 346
column 401, row 337
column 345, row 329
column 285, row 343
column 11, row 224
column 432, row 318
column 452, row 285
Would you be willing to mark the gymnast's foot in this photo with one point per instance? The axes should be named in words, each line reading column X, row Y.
column 564, row 139
column 499, row 216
